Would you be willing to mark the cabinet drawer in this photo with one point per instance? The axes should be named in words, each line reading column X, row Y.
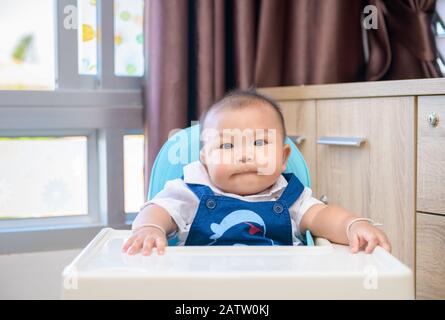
column 430, row 264
column 431, row 155
column 375, row 179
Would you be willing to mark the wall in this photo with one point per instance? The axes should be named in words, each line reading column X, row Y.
column 34, row 275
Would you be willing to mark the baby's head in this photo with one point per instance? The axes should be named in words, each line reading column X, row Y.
column 243, row 143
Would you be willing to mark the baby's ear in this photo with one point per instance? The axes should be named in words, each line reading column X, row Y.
column 202, row 156
column 286, row 154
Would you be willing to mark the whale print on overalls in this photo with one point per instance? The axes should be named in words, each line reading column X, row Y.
column 222, row 220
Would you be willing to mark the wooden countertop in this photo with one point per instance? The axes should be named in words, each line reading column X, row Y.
column 414, row 87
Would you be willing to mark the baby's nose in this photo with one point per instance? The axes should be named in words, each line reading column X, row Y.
column 245, row 157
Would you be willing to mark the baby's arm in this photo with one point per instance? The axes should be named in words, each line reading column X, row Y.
column 330, row 222
column 147, row 237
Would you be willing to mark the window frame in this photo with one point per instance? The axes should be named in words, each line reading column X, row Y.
column 129, row 216
column 109, row 78
column 105, row 108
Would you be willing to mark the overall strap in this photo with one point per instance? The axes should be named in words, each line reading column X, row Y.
column 293, row 190
column 199, row 189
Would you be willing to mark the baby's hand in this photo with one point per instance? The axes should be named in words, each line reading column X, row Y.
column 362, row 234
column 145, row 239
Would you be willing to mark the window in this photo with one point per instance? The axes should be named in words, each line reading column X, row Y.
column 129, row 37
column 62, row 148
column 27, row 52
column 32, row 44
column 43, row 177
column 134, row 172
column 87, row 36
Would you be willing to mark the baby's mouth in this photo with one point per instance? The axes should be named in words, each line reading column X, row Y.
column 247, row 170
column 244, row 175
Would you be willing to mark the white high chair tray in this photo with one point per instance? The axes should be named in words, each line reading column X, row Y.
column 325, row 271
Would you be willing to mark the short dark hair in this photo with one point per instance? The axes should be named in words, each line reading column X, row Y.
column 242, row 98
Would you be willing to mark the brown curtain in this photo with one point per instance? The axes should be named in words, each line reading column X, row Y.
column 403, row 46
column 199, row 49
column 166, row 88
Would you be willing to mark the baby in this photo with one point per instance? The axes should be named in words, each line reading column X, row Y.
column 237, row 193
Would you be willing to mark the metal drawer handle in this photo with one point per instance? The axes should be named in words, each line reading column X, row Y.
column 324, row 199
column 297, row 139
column 341, row 141
column 433, row 119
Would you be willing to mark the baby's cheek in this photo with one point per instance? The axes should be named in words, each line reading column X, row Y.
column 219, row 172
column 219, row 157
column 268, row 163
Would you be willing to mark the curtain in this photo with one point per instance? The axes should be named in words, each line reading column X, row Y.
column 199, row 49
column 165, row 90
column 403, row 46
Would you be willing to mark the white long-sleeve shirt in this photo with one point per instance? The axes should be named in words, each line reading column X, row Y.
column 182, row 204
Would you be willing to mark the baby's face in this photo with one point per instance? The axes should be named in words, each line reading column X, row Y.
column 243, row 148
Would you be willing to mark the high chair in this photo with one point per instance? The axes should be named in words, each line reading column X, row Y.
column 316, row 271
column 182, row 148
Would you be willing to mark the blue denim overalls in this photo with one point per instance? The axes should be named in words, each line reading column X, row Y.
column 222, row 220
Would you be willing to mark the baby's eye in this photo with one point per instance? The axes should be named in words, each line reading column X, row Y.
column 226, row 145
column 260, row 142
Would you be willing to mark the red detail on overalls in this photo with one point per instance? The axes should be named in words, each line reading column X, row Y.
column 253, row 229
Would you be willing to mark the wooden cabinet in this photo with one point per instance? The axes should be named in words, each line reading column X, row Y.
column 366, row 179
column 430, row 258
column 431, row 155
column 375, row 178
column 392, row 168
column 430, row 275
